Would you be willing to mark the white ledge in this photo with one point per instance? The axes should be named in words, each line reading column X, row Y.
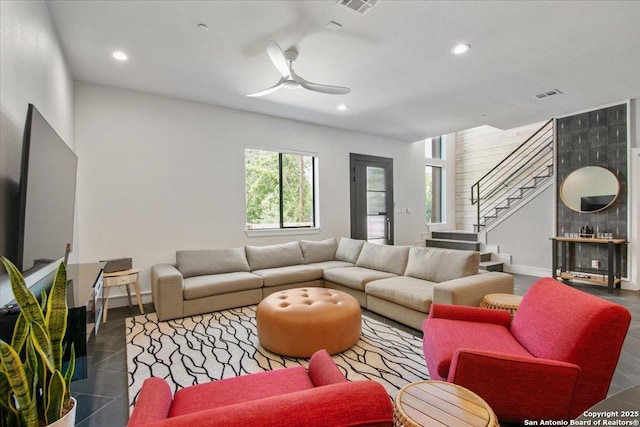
column 282, row 232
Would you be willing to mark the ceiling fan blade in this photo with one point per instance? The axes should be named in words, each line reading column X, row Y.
column 332, row 90
column 278, row 59
column 269, row 90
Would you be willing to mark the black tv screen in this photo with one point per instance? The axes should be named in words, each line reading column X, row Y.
column 595, row 203
column 47, row 194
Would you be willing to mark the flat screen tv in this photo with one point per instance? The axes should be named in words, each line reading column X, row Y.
column 47, row 194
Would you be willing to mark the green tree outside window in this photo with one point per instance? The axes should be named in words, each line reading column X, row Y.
column 279, row 189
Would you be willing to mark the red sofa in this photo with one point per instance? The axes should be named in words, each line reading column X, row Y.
column 552, row 362
column 319, row 396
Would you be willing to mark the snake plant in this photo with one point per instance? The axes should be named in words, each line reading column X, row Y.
column 33, row 389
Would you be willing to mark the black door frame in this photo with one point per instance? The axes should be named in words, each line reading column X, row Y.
column 356, row 160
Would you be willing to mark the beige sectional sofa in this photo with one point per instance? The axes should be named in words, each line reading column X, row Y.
column 398, row 282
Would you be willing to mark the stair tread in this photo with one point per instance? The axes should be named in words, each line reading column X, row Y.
column 491, row 263
column 451, row 240
column 466, row 235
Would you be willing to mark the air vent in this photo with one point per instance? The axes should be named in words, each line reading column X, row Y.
column 360, row 6
column 547, row 94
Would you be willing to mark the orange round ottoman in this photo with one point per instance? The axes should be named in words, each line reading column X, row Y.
column 299, row 322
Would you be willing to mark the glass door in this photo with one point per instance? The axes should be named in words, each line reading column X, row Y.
column 372, row 198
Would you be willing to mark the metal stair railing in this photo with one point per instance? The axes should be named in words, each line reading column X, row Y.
column 524, row 169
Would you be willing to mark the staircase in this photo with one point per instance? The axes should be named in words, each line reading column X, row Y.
column 515, row 178
column 463, row 240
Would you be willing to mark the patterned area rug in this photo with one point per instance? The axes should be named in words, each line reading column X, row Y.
column 224, row 344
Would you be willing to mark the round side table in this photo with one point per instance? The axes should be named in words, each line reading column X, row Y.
column 508, row 302
column 429, row 403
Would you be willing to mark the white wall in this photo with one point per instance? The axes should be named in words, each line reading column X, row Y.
column 158, row 174
column 33, row 70
column 525, row 236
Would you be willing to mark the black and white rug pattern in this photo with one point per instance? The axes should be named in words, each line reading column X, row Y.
column 224, row 344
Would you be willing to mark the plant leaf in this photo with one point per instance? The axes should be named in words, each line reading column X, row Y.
column 20, row 333
column 43, row 300
column 68, row 375
column 5, row 390
column 42, row 345
column 25, row 298
column 31, row 365
column 56, row 317
column 12, row 367
column 55, row 393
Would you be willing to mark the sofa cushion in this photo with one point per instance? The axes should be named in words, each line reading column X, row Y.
column 211, row 261
column 451, row 335
column 272, row 256
column 289, row 274
column 392, row 259
column 354, row 277
column 409, row 292
column 349, row 249
column 217, row 284
column 239, row 389
column 314, row 251
column 439, row 265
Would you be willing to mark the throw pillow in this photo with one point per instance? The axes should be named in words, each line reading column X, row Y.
column 392, row 259
column 349, row 250
column 439, row 265
column 314, row 251
column 272, row 256
column 211, row 261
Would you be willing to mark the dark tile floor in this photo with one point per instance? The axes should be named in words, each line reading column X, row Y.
column 103, row 401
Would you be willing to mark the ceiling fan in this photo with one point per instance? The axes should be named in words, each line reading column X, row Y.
column 290, row 80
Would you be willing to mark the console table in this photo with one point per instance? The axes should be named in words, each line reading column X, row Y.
column 610, row 277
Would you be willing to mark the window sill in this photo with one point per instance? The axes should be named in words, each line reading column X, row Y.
column 282, row 232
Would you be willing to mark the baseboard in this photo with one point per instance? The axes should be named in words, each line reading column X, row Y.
column 527, row 271
column 122, row 301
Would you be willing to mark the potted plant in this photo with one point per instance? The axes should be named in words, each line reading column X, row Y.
column 33, row 390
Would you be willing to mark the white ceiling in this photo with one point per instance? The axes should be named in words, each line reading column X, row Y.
column 396, row 59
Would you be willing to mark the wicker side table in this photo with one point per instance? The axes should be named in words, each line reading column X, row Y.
column 438, row 403
column 506, row 302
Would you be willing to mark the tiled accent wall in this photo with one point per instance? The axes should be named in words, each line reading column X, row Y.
column 595, row 138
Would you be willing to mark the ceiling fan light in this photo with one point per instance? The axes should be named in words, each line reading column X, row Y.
column 119, row 55
column 460, row 48
column 342, row 107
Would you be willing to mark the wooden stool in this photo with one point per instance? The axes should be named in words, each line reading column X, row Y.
column 121, row 278
column 506, row 302
column 438, row 403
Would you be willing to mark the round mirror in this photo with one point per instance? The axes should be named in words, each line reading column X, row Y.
column 589, row 189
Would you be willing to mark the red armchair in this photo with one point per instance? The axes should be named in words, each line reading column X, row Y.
column 319, row 396
column 553, row 361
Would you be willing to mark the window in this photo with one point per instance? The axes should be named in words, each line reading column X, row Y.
column 280, row 189
column 433, row 172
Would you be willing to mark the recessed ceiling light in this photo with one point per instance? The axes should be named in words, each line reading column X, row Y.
column 460, row 48
column 120, row 56
column 203, row 27
column 342, row 107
